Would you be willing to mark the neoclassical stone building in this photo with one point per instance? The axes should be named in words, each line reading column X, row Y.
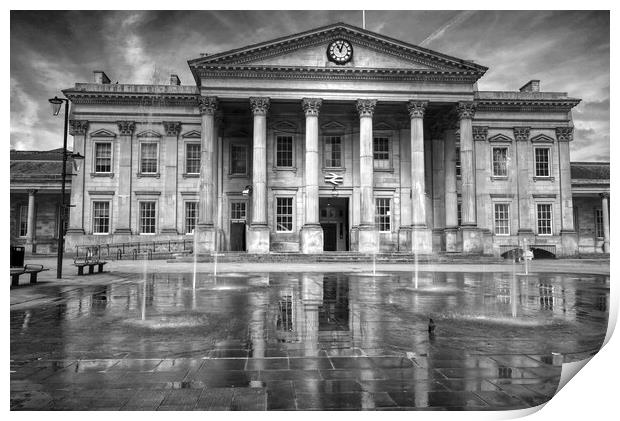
column 333, row 139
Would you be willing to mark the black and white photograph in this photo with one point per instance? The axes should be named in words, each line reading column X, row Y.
column 307, row 210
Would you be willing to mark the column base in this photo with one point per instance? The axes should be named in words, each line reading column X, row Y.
column 570, row 243
column 452, row 240
column 258, row 239
column 404, row 239
column 472, row 240
column 421, row 240
column 311, row 239
column 204, row 238
column 368, row 239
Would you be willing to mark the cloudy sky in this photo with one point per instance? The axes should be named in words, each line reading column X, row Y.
column 567, row 51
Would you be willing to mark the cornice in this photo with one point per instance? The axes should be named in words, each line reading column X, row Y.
column 138, row 98
column 526, row 105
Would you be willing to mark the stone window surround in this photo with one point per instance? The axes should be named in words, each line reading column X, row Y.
column 389, row 134
column 391, row 214
column 112, row 143
column 138, row 216
column 544, row 202
column 499, row 145
column 274, row 142
column 23, row 219
column 292, row 196
column 244, row 143
column 501, row 201
column 549, row 164
column 186, row 142
column 324, row 133
column 149, row 174
column 185, row 202
column 92, row 215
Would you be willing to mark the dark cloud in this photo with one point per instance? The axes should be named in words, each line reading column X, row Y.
column 568, row 51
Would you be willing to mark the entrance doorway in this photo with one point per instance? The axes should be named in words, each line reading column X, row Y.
column 238, row 217
column 334, row 219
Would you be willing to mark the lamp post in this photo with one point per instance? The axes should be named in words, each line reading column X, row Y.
column 56, row 105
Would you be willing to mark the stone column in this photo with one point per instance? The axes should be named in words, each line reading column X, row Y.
column 524, row 164
column 77, row 129
column 258, row 232
column 450, row 191
column 368, row 237
column 311, row 238
column 170, row 163
column 123, row 222
column 605, row 205
column 205, row 229
column 32, row 223
column 472, row 241
column 421, row 237
column 570, row 241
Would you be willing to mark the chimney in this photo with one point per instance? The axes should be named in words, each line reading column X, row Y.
column 531, row 86
column 101, row 77
column 174, row 80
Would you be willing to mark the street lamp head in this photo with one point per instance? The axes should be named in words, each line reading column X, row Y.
column 56, row 103
column 77, row 161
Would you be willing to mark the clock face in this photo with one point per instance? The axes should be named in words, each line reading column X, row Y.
column 340, row 51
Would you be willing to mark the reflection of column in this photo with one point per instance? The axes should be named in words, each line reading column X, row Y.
column 257, row 323
column 570, row 242
column 472, row 241
column 605, row 204
column 77, row 129
column 368, row 234
column 312, row 298
column 421, row 240
column 258, row 233
column 31, row 227
column 205, row 230
column 169, row 209
column 311, row 233
column 450, row 190
column 123, row 222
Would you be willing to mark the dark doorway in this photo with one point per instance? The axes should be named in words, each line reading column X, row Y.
column 238, row 216
column 334, row 219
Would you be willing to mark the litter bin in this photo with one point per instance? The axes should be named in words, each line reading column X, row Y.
column 17, row 256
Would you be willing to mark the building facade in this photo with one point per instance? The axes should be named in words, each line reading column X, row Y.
column 329, row 140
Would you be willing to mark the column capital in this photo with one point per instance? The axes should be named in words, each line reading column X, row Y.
column 207, row 105
column 32, row 192
column 126, row 128
column 564, row 134
column 480, row 132
column 366, row 107
column 604, row 195
column 311, row 106
column 78, row 127
column 259, row 105
column 172, row 128
column 466, row 109
column 416, row 108
column 521, row 133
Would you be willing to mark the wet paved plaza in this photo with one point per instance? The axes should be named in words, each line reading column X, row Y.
column 304, row 341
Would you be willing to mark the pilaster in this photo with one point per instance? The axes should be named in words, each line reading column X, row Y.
column 170, row 162
column 123, row 222
column 77, row 129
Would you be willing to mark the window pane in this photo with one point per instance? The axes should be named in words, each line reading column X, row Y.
column 383, row 214
column 598, row 220
column 238, row 159
column 192, row 158
column 147, row 217
column 502, row 226
column 381, row 152
column 333, row 151
column 543, row 213
column 148, row 159
column 542, row 162
column 500, row 158
column 237, row 211
column 103, row 157
column 284, row 151
column 191, row 216
column 284, row 214
column 459, row 215
column 23, row 220
column 101, row 217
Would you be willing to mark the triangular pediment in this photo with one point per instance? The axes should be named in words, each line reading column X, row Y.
column 333, row 126
column 102, row 133
column 542, row 138
column 284, row 126
column 310, row 50
column 500, row 138
column 148, row 133
column 192, row 134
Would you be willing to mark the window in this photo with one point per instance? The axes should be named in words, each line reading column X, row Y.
column 101, row 217
column 381, row 153
column 191, row 216
column 383, row 214
column 238, row 159
column 103, row 157
column 192, row 158
column 284, row 214
column 147, row 217
column 502, row 225
column 500, row 160
column 332, row 152
column 542, row 162
column 148, row 158
column 543, row 218
column 23, row 220
column 459, row 213
column 284, row 151
column 457, row 158
column 237, row 211
column 598, row 223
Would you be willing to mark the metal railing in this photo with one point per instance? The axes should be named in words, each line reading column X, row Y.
column 134, row 250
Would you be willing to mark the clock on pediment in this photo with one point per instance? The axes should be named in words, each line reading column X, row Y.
column 340, row 51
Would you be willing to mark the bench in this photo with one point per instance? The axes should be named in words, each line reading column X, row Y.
column 31, row 269
column 81, row 262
